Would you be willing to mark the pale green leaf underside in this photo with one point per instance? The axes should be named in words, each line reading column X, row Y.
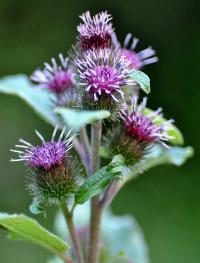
column 55, row 260
column 123, row 234
column 95, row 184
column 38, row 99
column 158, row 156
column 76, row 119
column 174, row 131
column 24, row 228
column 142, row 79
column 123, row 239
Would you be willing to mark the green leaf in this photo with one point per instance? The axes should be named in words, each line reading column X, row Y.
column 174, row 132
column 25, row 228
column 95, row 184
column 38, row 99
column 124, row 236
column 123, row 240
column 160, row 155
column 142, row 79
column 76, row 119
column 55, row 260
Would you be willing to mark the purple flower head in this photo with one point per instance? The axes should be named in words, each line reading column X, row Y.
column 56, row 78
column 95, row 32
column 46, row 156
column 102, row 72
column 138, row 59
column 145, row 128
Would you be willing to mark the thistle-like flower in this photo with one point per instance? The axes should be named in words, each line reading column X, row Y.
column 96, row 31
column 52, row 173
column 138, row 131
column 101, row 75
column 138, row 59
column 57, row 78
column 145, row 128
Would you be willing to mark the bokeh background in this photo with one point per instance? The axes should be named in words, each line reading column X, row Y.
column 165, row 200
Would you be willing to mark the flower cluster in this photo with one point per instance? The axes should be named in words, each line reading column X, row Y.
column 98, row 67
column 94, row 77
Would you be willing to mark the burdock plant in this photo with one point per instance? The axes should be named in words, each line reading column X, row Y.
column 103, row 135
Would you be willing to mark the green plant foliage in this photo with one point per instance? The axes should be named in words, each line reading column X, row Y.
column 95, row 184
column 125, row 239
column 142, row 79
column 38, row 99
column 122, row 238
column 76, row 119
column 174, row 132
column 24, row 228
column 160, row 155
column 55, row 260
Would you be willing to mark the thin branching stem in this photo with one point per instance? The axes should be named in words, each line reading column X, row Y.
column 74, row 237
column 82, row 154
column 96, row 210
column 110, row 193
column 87, row 151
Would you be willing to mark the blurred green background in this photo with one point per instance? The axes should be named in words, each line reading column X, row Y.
column 165, row 200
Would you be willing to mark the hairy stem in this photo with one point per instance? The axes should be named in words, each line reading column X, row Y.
column 96, row 210
column 86, row 146
column 110, row 193
column 74, row 237
column 82, row 153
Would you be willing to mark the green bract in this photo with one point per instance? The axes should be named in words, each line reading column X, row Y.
column 142, row 79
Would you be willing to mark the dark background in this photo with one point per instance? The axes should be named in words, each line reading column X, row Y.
column 165, row 200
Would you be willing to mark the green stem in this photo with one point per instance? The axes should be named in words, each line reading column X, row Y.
column 110, row 193
column 74, row 237
column 96, row 210
column 86, row 146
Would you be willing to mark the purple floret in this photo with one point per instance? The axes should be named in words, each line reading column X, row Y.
column 57, row 78
column 103, row 72
column 48, row 154
column 95, row 32
column 146, row 128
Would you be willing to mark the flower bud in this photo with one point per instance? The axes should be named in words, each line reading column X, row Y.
column 52, row 173
column 137, row 132
column 58, row 79
column 95, row 32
